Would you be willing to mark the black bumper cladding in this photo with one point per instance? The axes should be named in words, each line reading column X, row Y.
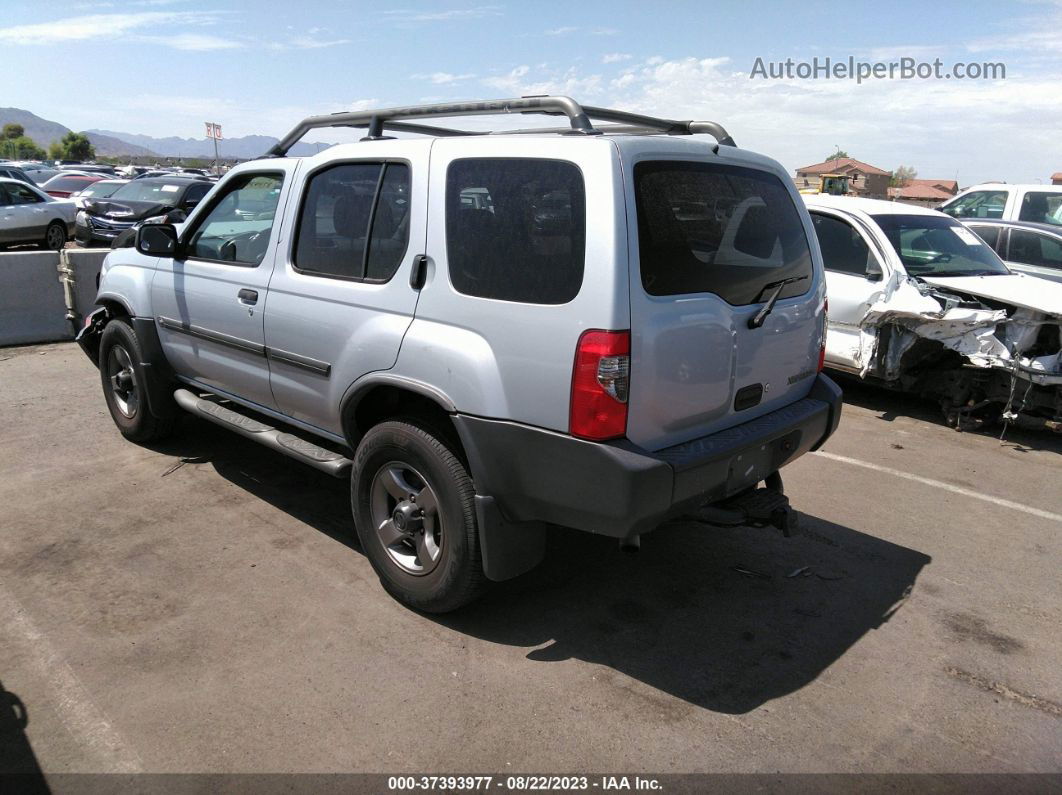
column 89, row 336
column 620, row 490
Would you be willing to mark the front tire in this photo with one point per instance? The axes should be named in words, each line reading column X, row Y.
column 125, row 386
column 414, row 512
column 55, row 236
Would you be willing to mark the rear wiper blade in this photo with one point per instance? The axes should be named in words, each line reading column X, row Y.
column 757, row 320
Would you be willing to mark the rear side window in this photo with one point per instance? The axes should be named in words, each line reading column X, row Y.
column 354, row 221
column 516, row 229
column 1041, row 207
column 1030, row 248
column 727, row 230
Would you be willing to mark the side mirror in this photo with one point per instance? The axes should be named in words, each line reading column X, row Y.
column 157, row 240
column 187, row 206
column 874, row 273
column 177, row 216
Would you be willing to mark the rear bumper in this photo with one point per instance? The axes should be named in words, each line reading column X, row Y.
column 620, row 490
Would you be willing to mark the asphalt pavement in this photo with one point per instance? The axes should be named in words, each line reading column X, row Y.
column 203, row 606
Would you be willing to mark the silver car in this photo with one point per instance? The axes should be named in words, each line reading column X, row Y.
column 29, row 215
column 490, row 333
column 1026, row 247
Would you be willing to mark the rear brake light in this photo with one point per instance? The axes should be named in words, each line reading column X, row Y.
column 600, row 385
column 822, row 343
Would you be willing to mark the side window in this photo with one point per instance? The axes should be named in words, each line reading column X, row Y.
column 5, row 200
column 516, row 229
column 237, row 228
column 1030, row 248
column 979, row 204
column 989, row 234
column 195, row 195
column 843, row 249
column 354, row 221
column 1041, row 207
column 20, row 194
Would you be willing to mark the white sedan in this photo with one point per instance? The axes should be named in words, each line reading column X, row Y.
column 29, row 215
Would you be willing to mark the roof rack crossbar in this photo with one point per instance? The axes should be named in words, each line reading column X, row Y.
column 579, row 116
column 377, row 119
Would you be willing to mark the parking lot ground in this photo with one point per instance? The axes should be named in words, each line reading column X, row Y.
column 203, row 606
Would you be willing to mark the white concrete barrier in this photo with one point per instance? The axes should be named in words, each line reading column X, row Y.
column 32, row 308
column 32, row 300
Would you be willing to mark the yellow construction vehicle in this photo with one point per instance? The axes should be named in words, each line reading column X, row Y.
column 831, row 184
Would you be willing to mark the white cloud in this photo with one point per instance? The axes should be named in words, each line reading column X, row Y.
column 412, row 15
column 310, row 41
column 442, row 78
column 615, row 57
column 604, row 32
column 1039, row 33
column 978, row 129
column 101, row 26
column 561, row 31
column 195, row 42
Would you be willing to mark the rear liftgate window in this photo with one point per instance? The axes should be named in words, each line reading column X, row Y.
column 516, row 229
column 727, row 230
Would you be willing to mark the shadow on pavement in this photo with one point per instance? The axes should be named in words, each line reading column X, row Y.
column 18, row 764
column 704, row 614
column 891, row 404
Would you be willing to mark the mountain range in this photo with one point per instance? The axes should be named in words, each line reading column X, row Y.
column 110, row 143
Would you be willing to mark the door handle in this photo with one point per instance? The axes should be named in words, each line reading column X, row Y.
column 247, row 296
column 419, row 272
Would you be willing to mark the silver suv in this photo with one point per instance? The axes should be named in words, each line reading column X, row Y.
column 595, row 327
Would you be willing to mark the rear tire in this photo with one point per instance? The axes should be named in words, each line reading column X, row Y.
column 55, row 236
column 415, row 516
column 125, row 386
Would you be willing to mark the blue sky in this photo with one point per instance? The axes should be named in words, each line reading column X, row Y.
column 163, row 67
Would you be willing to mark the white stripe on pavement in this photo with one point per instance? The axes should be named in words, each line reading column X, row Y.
column 1017, row 506
column 83, row 719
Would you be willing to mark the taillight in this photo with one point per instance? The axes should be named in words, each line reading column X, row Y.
column 825, row 323
column 600, row 384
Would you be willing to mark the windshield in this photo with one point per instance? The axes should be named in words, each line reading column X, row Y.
column 160, row 192
column 936, row 246
column 100, row 190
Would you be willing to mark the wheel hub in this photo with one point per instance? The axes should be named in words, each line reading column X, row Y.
column 408, row 518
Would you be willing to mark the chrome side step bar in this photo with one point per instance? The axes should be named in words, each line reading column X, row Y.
column 300, row 449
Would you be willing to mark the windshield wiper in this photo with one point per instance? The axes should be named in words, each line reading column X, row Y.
column 757, row 320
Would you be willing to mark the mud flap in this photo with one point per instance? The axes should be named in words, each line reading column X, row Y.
column 509, row 548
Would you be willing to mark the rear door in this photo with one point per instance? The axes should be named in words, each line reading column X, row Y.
column 341, row 300
column 1035, row 253
column 711, row 243
column 208, row 304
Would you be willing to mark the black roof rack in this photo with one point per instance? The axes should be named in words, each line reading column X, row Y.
column 401, row 120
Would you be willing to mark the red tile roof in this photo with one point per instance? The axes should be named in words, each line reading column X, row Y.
column 840, row 164
column 1057, row 177
column 919, row 192
column 949, row 185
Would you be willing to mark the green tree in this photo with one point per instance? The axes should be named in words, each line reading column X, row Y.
column 20, row 148
column 12, row 131
column 73, row 146
column 901, row 176
column 837, row 155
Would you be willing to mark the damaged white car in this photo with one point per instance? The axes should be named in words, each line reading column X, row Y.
column 918, row 302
